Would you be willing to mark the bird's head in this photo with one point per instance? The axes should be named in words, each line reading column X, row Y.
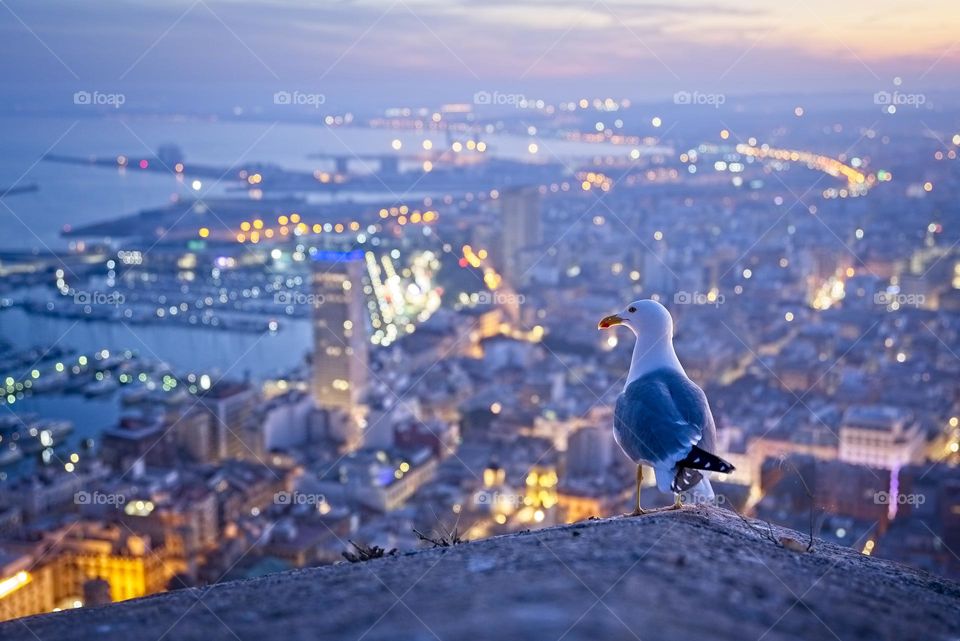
column 644, row 317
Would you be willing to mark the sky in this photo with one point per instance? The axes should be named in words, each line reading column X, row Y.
column 383, row 52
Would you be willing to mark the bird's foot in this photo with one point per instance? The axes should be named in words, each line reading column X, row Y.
column 641, row 511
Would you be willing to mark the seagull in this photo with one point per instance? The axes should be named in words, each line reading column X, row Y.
column 662, row 418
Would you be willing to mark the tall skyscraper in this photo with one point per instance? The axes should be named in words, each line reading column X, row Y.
column 521, row 233
column 340, row 353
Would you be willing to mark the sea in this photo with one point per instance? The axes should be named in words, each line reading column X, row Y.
column 75, row 195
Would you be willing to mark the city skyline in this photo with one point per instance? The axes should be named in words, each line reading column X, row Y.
column 290, row 284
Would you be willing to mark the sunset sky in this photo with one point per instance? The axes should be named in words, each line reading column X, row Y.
column 377, row 49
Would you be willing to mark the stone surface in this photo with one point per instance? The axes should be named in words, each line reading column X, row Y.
column 700, row 573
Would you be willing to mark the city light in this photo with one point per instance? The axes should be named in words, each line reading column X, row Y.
column 14, row 583
column 857, row 181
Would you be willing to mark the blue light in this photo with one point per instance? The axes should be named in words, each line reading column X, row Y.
column 337, row 257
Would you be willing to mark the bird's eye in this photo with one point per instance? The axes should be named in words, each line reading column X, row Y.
column 631, row 309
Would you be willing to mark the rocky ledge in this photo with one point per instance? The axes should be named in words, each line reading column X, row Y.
column 700, row 573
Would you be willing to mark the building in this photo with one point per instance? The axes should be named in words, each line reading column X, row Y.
column 134, row 441
column 297, row 543
column 286, row 421
column 796, row 482
column 24, row 590
column 520, row 217
column 590, row 452
column 340, row 352
column 132, row 564
column 49, row 489
column 815, row 440
column 193, row 432
column 440, row 437
column 75, row 560
column 231, row 406
column 926, row 525
column 243, row 487
column 183, row 516
column 880, row 436
column 380, row 480
column 658, row 277
column 579, row 500
column 540, row 491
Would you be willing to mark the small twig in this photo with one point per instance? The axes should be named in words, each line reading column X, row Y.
column 786, row 541
column 365, row 552
column 764, row 535
column 806, row 489
column 770, row 530
column 443, row 541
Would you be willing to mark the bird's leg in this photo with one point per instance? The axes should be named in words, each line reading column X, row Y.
column 639, row 510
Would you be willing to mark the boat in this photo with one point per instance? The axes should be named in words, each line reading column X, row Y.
column 10, row 455
column 33, row 436
column 101, row 387
column 135, row 396
column 50, row 382
column 58, row 429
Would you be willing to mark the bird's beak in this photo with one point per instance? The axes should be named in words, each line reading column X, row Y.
column 609, row 321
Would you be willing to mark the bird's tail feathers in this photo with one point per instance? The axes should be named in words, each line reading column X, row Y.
column 684, row 479
column 699, row 459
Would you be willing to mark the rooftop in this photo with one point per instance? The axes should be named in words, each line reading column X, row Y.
column 878, row 417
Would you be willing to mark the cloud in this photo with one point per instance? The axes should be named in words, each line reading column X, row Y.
column 428, row 47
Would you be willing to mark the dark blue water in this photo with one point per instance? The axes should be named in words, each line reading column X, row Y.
column 184, row 349
column 77, row 195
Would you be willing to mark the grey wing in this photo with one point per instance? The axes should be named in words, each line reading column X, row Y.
column 692, row 404
column 650, row 427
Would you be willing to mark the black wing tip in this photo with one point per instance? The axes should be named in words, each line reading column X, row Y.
column 684, row 479
column 700, row 459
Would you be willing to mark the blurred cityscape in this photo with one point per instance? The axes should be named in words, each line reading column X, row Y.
column 259, row 363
